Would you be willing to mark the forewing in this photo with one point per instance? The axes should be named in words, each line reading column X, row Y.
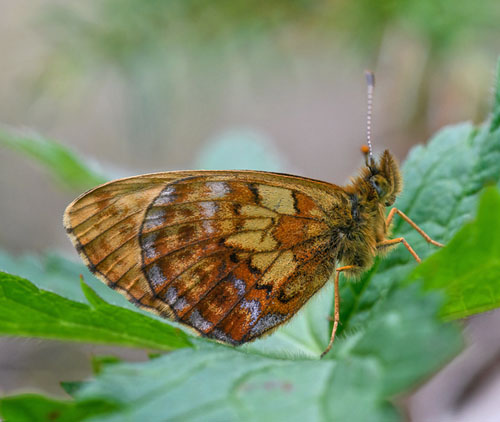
column 230, row 254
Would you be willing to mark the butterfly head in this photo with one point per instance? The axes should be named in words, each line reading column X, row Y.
column 379, row 181
column 383, row 178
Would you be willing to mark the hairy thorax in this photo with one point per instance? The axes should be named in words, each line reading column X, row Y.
column 360, row 233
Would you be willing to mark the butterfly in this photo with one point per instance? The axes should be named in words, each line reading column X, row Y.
column 234, row 254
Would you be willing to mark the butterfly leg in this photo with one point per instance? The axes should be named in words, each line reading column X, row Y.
column 336, row 306
column 390, row 242
column 411, row 223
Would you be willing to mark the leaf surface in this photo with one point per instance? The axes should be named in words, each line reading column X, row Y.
column 26, row 310
column 468, row 269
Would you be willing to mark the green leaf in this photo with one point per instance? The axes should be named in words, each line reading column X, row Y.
column 443, row 181
column 36, row 408
column 71, row 387
column 495, row 121
column 66, row 167
column 26, row 310
column 100, row 362
column 55, row 273
column 468, row 269
column 216, row 383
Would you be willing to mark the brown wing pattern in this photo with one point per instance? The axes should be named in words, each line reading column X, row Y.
column 230, row 254
column 104, row 225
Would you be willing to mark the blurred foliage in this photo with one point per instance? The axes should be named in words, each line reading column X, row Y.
column 235, row 149
column 67, row 168
column 33, row 407
column 441, row 25
column 123, row 32
column 161, row 47
column 468, row 269
column 240, row 150
column 102, row 361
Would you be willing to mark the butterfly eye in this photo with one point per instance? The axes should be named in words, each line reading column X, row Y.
column 377, row 187
column 355, row 213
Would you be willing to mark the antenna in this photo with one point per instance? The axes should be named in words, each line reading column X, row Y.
column 370, row 82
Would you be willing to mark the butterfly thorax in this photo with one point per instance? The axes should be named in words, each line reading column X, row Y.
column 368, row 196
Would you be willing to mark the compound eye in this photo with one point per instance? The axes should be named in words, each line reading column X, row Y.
column 377, row 187
column 355, row 213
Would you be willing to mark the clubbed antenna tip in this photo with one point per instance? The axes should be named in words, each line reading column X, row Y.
column 365, row 150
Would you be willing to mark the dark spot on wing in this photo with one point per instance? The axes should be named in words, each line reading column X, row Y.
column 267, row 287
column 255, row 191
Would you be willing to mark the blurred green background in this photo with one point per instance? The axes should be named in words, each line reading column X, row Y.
column 138, row 86
column 145, row 86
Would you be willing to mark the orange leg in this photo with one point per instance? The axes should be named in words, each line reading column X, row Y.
column 411, row 223
column 336, row 306
column 402, row 240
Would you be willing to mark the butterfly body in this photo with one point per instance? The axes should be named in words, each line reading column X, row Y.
column 230, row 254
column 375, row 189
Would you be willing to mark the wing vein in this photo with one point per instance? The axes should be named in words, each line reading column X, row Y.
column 133, row 237
column 188, row 268
column 76, row 210
column 123, row 275
column 227, row 219
column 262, row 313
column 110, row 227
column 181, row 203
column 262, row 275
column 186, row 245
column 93, row 215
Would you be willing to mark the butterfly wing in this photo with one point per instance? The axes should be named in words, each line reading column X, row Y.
column 231, row 254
